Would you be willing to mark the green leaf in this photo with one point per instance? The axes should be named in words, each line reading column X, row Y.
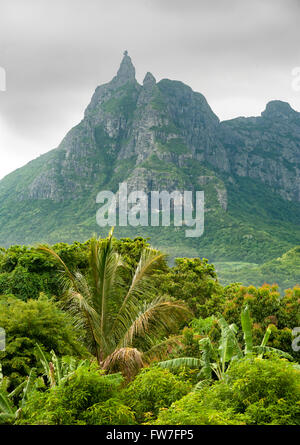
column 247, row 330
column 176, row 363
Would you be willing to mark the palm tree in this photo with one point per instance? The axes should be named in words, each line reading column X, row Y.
column 118, row 317
column 218, row 359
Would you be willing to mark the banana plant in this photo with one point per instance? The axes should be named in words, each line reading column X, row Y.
column 216, row 360
column 262, row 348
column 247, row 331
column 59, row 368
column 8, row 411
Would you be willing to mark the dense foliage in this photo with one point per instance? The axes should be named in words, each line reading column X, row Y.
column 153, row 389
column 78, row 400
column 81, row 320
column 255, row 391
column 284, row 270
column 28, row 323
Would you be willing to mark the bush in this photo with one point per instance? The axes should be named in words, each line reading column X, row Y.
column 27, row 323
column 190, row 410
column 266, row 391
column 254, row 392
column 110, row 412
column 152, row 389
column 26, row 272
column 82, row 399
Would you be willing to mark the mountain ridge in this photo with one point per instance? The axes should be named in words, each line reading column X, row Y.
column 164, row 136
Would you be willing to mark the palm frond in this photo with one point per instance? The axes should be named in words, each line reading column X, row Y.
column 158, row 350
column 39, row 353
column 154, row 318
column 264, row 349
column 51, row 252
column 17, row 390
column 141, row 284
column 6, row 405
column 105, row 263
column 202, row 384
column 266, row 337
column 6, row 417
column 29, row 386
column 85, row 315
column 208, row 354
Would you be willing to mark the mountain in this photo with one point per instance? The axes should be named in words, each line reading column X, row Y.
column 164, row 136
column 284, row 270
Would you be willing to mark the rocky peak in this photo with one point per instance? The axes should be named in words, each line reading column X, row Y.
column 149, row 87
column 126, row 72
column 276, row 109
column 149, row 80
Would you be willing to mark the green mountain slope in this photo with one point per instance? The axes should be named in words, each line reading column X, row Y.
column 284, row 270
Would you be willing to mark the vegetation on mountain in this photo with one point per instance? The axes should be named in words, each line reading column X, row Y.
column 284, row 270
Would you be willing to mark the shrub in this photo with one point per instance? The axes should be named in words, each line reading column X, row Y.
column 27, row 323
column 152, row 389
column 267, row 391
column 25, row 272
column 110, row 412
column 79, row 400
column 190, row 410
column 254, row 392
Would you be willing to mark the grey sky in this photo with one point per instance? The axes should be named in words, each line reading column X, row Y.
column 238, row 53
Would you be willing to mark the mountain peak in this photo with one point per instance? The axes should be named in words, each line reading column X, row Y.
column 149, row 79
column 126, row 72
column 278, row 109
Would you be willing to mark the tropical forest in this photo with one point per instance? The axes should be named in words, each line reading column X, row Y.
column 107, row 332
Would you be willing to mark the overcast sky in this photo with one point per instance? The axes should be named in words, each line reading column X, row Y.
column 238, row 53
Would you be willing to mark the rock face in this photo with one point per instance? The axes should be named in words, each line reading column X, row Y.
column 158, row 136
column 266, row 148
column 170, row 123
column 153, row 125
